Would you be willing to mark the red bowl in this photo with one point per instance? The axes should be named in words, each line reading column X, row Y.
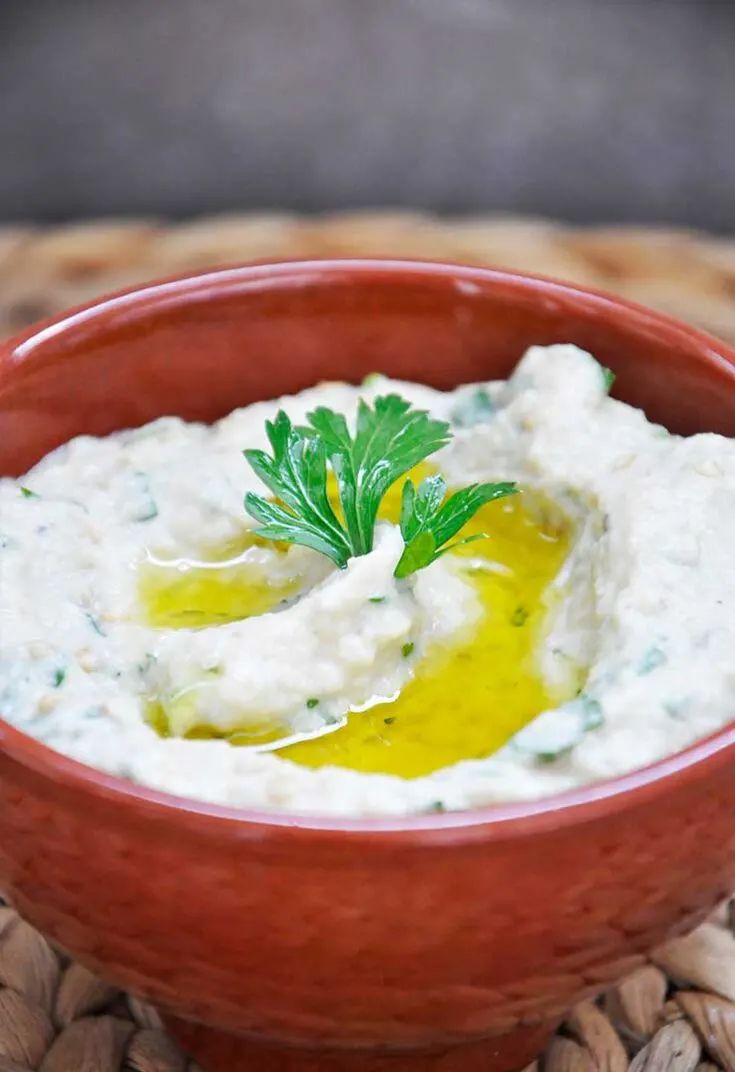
column 450, row 941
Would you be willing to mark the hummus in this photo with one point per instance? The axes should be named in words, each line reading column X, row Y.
column 146, row 632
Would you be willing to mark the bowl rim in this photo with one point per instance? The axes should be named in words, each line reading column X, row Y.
column 488, row 822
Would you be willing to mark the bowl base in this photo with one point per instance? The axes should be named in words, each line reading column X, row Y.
column 218, row 1051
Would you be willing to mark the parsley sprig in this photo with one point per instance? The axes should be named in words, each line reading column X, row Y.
column 297, row 476
column 390, row 439
column 428, row 521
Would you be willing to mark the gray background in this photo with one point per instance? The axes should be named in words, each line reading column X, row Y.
column 584, row 109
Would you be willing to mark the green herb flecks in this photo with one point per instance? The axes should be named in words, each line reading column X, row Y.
column 145, row 507
column 28, row 494
column 312, row 702
column 519, row 616
column 555, row 733
column 407, row 649
column 608, row 377
column 58, row 677
column 390, row 439
column 473, row 408
column 591, row 714
column 149, row 661
column 95, row 623
column 652, row 659
column 677, row 709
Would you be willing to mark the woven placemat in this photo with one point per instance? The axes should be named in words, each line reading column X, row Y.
column 676, row 1013
column 44, row 270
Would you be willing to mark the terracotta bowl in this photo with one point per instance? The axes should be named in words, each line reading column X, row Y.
column 443, row 942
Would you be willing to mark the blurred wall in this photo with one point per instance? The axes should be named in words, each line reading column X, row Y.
column 585, row 109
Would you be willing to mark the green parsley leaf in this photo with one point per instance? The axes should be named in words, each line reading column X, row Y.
column 429, row 522
column 28, row 494
column 390, row 439
column 420, row 552
column 608, row 378
column 297, row 476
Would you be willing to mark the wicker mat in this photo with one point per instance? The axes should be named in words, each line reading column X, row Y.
column 689, row 275
column 675, row 1013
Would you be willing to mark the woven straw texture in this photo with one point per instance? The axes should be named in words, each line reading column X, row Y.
column 688, row 275
column 676, row 1013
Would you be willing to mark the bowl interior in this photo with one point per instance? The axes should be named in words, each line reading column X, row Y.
column 199, row 347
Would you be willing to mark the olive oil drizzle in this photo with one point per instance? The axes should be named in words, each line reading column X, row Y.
column 463, row 701
column 466, row 700
column 189, row 593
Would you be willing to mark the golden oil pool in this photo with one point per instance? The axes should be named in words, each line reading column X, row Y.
column 463, row 701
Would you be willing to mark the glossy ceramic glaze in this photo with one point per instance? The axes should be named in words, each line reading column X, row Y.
column 455, row 941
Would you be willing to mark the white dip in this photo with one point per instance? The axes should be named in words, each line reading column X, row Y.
column 647, row 605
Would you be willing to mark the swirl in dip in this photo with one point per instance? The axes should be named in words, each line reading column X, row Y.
column 145, row 630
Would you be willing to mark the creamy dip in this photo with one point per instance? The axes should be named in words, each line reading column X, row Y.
column 144, row 631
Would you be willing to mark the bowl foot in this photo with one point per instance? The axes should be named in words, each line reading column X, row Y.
column 217, row 1051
